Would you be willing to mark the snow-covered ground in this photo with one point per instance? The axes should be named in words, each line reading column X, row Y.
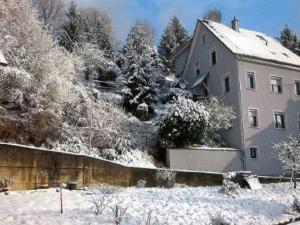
column 180, row 205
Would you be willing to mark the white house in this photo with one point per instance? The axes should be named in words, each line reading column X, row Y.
column 255, row 74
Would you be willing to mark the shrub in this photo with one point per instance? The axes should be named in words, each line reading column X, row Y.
column 229, row 187
column 165, row 178
column 184, row 123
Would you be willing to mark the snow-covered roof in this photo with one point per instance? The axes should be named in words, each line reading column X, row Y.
column 252, row 43
column 2, row 59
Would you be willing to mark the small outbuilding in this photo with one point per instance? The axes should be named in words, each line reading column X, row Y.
column 3, row 61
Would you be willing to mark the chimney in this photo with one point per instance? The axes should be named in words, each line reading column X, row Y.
column 235, row 24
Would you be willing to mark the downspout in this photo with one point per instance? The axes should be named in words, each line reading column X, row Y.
column 244, row 159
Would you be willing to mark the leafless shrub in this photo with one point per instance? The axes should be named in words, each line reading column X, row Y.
column 141, row 184
column 6, row 183
column 119, row 213
column 229, row 187
column 100, row 203
column 165, row 178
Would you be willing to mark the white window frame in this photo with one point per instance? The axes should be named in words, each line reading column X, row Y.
column 285, row 120
column 254, row 77
column 294, row 82
column 226, row 75
column 276, row 77
column 257, row 152
column 210, row 56
column 257, row 117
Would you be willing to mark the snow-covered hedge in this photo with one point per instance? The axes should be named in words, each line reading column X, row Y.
column 184, row 123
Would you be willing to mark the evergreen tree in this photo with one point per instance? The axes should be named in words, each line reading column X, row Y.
column 289, row 40
column 142, row 73
column 173, row 36
column 70, row 34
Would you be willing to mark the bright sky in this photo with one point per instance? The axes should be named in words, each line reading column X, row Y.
column 267, row 16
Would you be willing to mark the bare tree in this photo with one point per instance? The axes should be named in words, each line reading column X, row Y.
column 213, row 15
column 97, row 27
column 50, row 12
column 289, row 154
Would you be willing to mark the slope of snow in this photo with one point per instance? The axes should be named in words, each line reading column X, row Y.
column 252, row 43
column 180, row 205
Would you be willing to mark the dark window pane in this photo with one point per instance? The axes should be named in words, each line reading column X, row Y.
column 297, row 87
column 214, row 57
column 227, row 84
column 253, row 153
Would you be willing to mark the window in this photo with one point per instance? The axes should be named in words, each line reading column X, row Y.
column 276, row 84
column 203, row 38
column 297, row 87
column 298, row 117
column 197, row 69
column 227, row 84
column 253, row 152
column 253, row 117
column 250, row 80
column 279, row 120
column 213, row 57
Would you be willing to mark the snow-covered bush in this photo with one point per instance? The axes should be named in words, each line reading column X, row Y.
column 14, row 85
column 165, row 178
column 220, row 219
column 288, row 152
column 184, row 123
column 6, row 183
column 229, row 187
column 141, row 184
column 142, row 111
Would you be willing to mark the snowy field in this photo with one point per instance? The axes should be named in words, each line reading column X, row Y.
column 180, row 205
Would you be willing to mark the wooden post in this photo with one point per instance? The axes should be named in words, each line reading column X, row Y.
column 61, row 203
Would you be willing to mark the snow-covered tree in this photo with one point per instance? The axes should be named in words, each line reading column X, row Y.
column 289, row 40
column 142, row 71
column 220, row 117
column 50, row 12
column 184, row 123
column 213, row 15
column 71, row 28
column 96, row 65
column 97, row 28
column 173, row 36
column 288, row 152
column 28, row 47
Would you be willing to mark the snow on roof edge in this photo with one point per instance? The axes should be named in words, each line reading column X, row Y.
column 241, row 45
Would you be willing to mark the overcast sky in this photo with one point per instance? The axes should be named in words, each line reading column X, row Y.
column 268, row 16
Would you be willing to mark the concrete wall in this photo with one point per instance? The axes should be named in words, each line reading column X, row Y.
column 226, row 64
column 33, row 168
column 266, row 102
column 209, row 159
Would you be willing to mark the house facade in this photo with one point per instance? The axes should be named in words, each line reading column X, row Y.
column 254, row 74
